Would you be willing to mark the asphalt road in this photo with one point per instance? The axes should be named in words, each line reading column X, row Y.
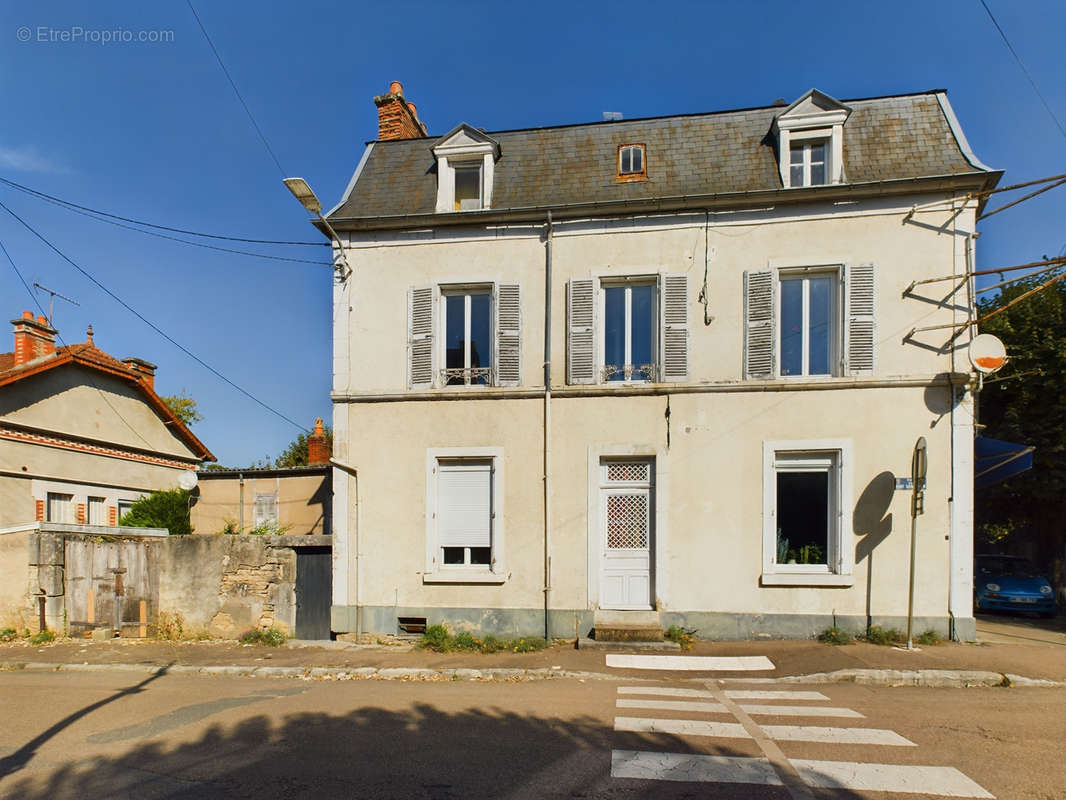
column 98, row 735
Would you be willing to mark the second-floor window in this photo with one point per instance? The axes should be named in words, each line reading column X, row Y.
column 467, row 187
column 467, row 315
column 807, row 163
column 630, row 332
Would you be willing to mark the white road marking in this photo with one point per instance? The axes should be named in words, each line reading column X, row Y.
column 784, row 733
column 811, row 733
column 764, row 694
column 665, row 691
column 672, row 705
column 702, row 663
column 681, row 727
column 944, row 781
column 760, row 709
column 691, row 767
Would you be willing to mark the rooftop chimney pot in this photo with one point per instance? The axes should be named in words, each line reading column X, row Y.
column 34, row 338
column 397, row 119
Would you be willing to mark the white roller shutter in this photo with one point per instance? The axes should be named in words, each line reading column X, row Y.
column 759, row 324
column 581, row 331
column 464, row 504
column 508, row 329
column 674, row 293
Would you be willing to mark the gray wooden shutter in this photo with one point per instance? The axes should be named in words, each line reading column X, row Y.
column 860, row 330
column 421, row 313
column 759, row 324
column 674, row 294
column 508, row 326
column 581, row 331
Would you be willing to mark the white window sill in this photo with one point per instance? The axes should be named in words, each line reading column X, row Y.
column 465, row 576
column 805, row 579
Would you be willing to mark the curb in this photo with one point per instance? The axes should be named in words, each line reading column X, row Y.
column 929, row 678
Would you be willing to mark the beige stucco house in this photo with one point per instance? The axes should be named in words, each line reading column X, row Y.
column 664, row 367
column 82, row 434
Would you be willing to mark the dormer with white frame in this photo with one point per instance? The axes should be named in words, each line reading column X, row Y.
column 810, row 139
column 466, row 158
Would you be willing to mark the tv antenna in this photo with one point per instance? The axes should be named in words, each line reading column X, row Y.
column 52, row 295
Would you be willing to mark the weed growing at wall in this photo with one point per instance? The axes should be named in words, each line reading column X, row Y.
column 8, row 634
column 268, row 637
column 43, row 637
column 834, row 635
column 438, row 639
column 878, row 635
column 675, row 633
column 928, row 637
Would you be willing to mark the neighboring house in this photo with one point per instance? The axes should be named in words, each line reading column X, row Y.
column 725, row 304
column 289, row 500
column 82, row 434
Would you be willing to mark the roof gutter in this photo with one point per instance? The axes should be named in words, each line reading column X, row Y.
column 970, row 181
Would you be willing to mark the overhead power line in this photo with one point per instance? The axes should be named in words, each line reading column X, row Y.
column 147, row 321
column 68, row 203
column 236, row 91
column 1017, row 58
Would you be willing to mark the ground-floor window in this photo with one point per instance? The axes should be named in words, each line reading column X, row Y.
column 805, row 491
column 464, row 520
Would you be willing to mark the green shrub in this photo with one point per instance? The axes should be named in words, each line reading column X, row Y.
column 168, row 510
column 675, row 633
column 43, row 637
column 527, row 644
column 465, row 641
column 269, row 637
column 8, row 634
column 875, row 634
column 928, row 637
column 490, row 644
column 437, row 638
column 834, row 635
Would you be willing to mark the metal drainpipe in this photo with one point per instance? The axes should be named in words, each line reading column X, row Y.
column 240, row 501
column 547, row 417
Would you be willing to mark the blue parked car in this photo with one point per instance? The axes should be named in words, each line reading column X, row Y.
column 1011, row 583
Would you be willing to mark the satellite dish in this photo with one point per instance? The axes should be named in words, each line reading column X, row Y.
column 187, row 480
column 987, row 353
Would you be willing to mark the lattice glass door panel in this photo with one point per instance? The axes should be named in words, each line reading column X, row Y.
column 627, row 472
column 628, row 521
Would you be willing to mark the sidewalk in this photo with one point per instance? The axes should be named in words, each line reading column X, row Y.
column 1034, row 660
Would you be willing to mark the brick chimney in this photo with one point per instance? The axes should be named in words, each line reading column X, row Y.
column 317, row 447
column 145, row 370
column 397, row 119
column 34, row 338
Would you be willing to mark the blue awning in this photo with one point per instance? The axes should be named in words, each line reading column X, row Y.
column 995, row 461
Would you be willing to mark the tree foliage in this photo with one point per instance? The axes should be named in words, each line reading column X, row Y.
column 164, row 509
column 184, row 407
column 295, row 455
column 1025, row 403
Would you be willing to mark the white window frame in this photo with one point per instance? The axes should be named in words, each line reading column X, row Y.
column 810, row 455
column 836, row 339
column 113, row 497
column 639, row 148
column 804, row 140
column 601, row 334
column 469, row 166
column 438, row 572
column 465, row 290
column 462, row 149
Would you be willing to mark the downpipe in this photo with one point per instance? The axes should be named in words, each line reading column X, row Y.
column 547, row 420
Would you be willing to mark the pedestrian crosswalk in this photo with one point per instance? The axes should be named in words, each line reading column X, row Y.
column 713, row 713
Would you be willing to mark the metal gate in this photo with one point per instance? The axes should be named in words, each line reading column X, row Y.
column 314, row 584
column 110, row 585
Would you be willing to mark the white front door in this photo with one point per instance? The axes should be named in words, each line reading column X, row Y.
column 627, row 499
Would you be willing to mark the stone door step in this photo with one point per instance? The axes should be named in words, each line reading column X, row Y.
column 659, row 646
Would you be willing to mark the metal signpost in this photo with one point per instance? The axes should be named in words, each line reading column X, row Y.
column 918, row 470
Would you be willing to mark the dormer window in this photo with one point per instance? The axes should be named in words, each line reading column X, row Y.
column 810, row 138
column 466, row 160
column 807, row 162
column 467, row 187
column 631, row 164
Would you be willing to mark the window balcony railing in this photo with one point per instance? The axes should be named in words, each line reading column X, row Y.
column 630, row 372
column 472, row 376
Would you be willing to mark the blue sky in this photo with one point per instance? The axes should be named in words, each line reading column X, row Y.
column 152, row 130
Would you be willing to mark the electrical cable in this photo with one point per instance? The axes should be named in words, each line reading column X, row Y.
column 148, row 322
column 193, row 244
column 1036, row 89
column 236, row 91
column 68, row 203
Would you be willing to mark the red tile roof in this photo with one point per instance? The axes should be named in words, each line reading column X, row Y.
column 89, row 355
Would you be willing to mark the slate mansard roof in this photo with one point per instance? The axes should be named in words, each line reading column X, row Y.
column 897, row 138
